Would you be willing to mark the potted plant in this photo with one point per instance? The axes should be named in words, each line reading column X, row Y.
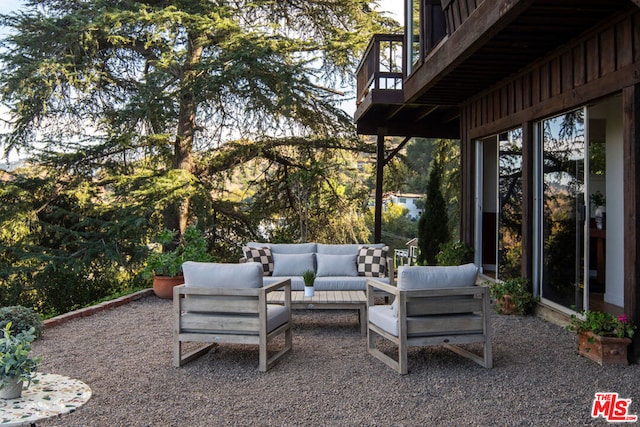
column 309, row 278
column 16, row 367
column 602, row 337
column 512, row 296
column 166, row 266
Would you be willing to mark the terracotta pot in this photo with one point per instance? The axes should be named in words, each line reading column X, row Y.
column 163, row 285
column 507, row 306
column 603, row 350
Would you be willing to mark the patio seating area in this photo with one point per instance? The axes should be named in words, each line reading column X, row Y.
column 125, row 356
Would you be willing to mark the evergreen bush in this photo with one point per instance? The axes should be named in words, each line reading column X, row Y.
column 433, row 226
column 454, row 253
column 22, row 319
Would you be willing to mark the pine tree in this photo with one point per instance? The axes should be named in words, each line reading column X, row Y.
column 433, row 225
column 147, row 87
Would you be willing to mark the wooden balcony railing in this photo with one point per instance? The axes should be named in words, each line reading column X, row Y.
column 381, row 66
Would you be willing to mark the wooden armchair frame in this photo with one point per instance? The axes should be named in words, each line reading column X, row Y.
column 444, row 316
column 237, row 316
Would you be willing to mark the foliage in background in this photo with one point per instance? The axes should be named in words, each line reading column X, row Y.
column 137, row 116
column 454, row 253
column 397, row 228
column 192, row 246
column 22, row 319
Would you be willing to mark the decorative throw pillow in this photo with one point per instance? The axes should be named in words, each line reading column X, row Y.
column 372, row 262
column 262, row 256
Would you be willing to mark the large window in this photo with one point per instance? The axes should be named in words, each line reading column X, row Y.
column 563, row 208
column 499, row 223
column 413, row 32
column 425, row 28
column 510, row 204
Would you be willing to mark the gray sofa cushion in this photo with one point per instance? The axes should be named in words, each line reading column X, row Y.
column 328, row 283
column 346, row 249
column 228, row 276
column 292, row 264
column 336, row 265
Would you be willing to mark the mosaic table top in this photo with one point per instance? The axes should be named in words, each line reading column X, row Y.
column 52, row 396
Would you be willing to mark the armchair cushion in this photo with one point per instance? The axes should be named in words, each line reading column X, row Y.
column 383, row 317
column 277, row 315
column 336, row 265
column 228, row 276
column 432, row 277
column 292, row 264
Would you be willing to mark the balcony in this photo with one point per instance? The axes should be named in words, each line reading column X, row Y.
column 381, row 107
column 380, row 70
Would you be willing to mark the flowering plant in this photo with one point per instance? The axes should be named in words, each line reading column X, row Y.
column 603, row 324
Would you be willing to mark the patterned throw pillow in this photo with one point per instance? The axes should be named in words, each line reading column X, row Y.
column 372, row 262
column 261, row 255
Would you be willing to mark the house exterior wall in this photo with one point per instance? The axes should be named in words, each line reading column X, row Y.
column 600, row 63
column 603, row 62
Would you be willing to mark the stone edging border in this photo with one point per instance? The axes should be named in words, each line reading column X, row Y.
column 89, row 311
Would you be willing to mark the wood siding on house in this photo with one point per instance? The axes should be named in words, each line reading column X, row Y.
column 596, row 65
column 457, row 11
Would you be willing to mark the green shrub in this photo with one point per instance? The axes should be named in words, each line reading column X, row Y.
column 192, row 246
column 22, row 319
column 454, row 253
column 519, row 299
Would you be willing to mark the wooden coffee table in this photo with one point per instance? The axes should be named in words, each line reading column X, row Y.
column 328, row 300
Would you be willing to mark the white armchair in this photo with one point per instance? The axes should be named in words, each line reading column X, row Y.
column 227, row 303
column 432, row 306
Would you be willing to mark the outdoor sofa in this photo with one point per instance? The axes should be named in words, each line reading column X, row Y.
column 338, row 267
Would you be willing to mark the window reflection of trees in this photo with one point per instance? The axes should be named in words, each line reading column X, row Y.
column 510, row 187
column 563, row 187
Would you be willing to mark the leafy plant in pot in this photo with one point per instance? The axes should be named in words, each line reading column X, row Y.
column 602, row 337
column 16, row 367
column 309, row 278
column 512, row 296
column 166, row 267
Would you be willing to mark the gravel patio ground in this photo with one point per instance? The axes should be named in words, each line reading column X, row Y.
column 124, row 355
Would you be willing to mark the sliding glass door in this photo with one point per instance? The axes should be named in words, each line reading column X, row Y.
column 563, row 209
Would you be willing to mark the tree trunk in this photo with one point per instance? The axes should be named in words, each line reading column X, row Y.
column 176, row 215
